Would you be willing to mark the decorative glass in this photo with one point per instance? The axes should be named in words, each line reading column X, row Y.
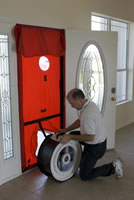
column 91, row 75
column 44, row 63
column 5, row 99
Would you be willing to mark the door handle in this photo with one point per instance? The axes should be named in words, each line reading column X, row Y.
column 113, row 98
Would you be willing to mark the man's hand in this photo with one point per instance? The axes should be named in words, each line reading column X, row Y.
column 60, row 132
column 65, row 138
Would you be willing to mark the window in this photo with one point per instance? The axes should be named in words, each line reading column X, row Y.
column 102, row 23
column 91, row 74
column 5, row 99
column 44, row 63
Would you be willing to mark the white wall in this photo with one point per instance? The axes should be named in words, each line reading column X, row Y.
column 67, row 13
column 70, row 14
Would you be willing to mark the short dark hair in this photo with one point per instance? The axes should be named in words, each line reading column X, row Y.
column 77, row 93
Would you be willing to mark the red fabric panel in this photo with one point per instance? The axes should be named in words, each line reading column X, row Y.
column 39, row 95
column 30, row 144
column 36, row 41
column 30, row 139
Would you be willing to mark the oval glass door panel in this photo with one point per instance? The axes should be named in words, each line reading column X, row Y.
column 90, row 77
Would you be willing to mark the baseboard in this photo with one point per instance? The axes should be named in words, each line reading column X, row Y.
column 125, row 124
column 10, row 178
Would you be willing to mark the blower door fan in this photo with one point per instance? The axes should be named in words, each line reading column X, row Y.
column 60, row 161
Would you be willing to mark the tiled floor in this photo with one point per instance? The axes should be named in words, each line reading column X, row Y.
column 33, row 185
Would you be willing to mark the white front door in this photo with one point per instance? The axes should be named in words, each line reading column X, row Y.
column 10, row 164
column 76, row 41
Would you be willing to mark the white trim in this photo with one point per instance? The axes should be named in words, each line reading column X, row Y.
column 10, row 178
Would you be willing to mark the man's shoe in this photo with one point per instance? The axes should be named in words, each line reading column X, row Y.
column 117, row 164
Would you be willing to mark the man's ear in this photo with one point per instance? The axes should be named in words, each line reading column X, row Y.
column 80, row 100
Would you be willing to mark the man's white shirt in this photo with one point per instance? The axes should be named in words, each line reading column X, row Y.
column 91, row 122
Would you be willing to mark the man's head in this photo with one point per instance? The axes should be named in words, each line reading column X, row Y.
column 76, row 98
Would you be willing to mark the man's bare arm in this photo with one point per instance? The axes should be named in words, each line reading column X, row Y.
column 74, row 125
column 81, row 138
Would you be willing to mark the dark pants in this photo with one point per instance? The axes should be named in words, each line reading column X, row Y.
column 91, row 154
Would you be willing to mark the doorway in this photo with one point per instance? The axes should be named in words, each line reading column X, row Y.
column 40, row 56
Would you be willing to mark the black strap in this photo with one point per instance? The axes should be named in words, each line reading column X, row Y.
column 39, row 122
column 41, row 119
